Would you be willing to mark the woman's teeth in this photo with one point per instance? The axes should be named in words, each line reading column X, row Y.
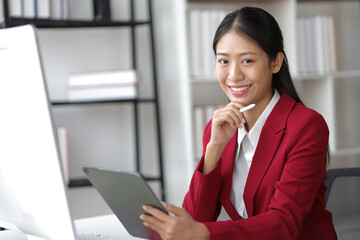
column 240, row 89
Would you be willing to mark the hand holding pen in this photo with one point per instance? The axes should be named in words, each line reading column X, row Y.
column 225, row 122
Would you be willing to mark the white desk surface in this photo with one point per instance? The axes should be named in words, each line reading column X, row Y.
column 107, row 225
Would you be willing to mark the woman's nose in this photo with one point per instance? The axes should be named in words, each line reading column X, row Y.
column 236, row 73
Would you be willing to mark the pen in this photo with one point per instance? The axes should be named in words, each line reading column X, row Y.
column 248, row 107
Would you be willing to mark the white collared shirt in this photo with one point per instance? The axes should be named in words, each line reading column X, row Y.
column 246, row 146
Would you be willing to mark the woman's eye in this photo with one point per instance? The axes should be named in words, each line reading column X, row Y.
column 222, row 61
column 247, row 61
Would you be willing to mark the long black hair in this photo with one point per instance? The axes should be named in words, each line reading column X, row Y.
column 261, row 27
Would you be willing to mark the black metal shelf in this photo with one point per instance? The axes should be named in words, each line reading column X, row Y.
column 10, row 21
column 52, row 23
column 132, row 100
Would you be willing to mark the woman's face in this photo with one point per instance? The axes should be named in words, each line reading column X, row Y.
column 244, row 70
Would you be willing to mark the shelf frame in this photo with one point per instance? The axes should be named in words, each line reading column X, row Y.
column 135, row 100
column 48, row 23
column 333, row 75
column 10, row 21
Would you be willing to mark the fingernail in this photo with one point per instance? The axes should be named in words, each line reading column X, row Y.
column 243, row 120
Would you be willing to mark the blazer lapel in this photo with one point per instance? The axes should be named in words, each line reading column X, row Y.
column 269, row 141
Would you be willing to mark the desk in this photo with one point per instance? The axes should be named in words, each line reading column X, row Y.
column 107, row 225
column 12, row 235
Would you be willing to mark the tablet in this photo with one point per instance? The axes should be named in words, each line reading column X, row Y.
column 125, row 193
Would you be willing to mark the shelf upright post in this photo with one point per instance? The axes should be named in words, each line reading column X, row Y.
column 6, row 13
column 136, row 107
column 156, row 94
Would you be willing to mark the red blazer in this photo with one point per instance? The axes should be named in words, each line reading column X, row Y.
column 284, row 193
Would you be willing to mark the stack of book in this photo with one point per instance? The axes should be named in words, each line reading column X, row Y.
column 316, row 45
column 61, row 9
column 103, row 85
column 54, row 9
column 203, row 25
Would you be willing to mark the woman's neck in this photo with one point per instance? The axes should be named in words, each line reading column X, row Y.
column 253, row 115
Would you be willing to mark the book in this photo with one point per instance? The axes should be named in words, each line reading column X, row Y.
column 301, row 31
column 29, row 8
column 206, row 43
column 203, row 25
column 56, row 9
column 327, row 47
column 332, row 44
column 80, row 10
column 15, row 8
column 43, row 8
column 102, row 10
column 59, row 9
column 65, row 9
column 195, row 43
column 101, row 78
column 113, row 92
column 309, row 50
column 62, row 134
column 320, row 42
column 317, row 45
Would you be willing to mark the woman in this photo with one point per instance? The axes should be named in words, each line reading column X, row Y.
column 266, row 166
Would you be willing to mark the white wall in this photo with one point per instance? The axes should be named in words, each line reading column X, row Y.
column 174, row 95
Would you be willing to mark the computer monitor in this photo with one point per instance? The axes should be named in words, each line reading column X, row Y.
column 33, row 195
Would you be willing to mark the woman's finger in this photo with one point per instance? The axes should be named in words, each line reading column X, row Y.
column 156, row 213
column 153, row 222
column 156, row 230
column 236, row 108
column 230, row 114
column 177, row 211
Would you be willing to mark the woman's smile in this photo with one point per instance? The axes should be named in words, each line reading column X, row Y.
column 240, row 90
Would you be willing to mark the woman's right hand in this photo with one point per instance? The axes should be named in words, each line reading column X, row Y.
column 225, row 122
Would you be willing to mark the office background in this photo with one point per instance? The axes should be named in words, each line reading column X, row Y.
column 101, row 135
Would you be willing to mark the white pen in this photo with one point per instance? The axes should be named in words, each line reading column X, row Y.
column 248, row 107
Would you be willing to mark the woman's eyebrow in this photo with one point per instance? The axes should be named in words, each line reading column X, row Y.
column 241, row 54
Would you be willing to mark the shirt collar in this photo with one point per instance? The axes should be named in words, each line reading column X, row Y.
column 255, row 131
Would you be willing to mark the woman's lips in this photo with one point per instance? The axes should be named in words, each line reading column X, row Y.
column 240, row 90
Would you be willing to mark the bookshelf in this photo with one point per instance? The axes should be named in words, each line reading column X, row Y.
column 332, row 93
column 132, row 24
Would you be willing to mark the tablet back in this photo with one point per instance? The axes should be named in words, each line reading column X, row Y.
column 125, row 193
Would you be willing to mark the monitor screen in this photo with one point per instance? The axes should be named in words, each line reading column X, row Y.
column 32, row 187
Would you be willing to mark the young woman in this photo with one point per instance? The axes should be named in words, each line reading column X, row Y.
column 266, row 166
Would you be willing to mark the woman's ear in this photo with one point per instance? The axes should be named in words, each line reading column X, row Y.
column 277, row 63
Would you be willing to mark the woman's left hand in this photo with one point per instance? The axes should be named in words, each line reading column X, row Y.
column 179, row 226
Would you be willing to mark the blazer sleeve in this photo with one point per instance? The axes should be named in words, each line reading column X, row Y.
column 305, row 142
column 201, row 201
